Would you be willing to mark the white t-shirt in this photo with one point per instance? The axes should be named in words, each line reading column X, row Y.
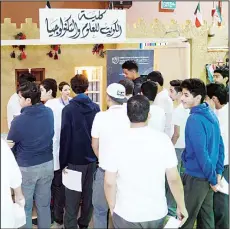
column 179, row 118
column 164, row 101
column 56, row 106
column 157, row 119
column 106, row 125
column 140, row 156
column 222, row 115
column 10, row 178
column 13, row 108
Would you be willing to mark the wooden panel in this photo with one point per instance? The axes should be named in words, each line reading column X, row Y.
column 39, row 73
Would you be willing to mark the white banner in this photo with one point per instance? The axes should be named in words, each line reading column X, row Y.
column 77, row 25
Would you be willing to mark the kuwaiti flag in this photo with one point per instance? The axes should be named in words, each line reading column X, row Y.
column 210, row 71
column 217, row 14
column 48, row 6
column 198, row 15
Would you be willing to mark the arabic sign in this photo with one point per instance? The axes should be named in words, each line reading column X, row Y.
column 78, row 24
column 115, row 58
column 168, row 5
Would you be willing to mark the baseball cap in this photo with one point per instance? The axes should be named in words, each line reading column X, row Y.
column 117, row 92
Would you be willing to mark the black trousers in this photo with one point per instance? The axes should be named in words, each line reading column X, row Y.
column 119, row 222
column 221, row 205
column 199, row 202
column 73, row 198
column 58, row 197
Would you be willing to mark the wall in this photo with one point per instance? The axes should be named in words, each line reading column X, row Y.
column 184, row 11
column 31, row 9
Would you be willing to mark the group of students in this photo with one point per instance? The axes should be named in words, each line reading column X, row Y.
column 130, row 156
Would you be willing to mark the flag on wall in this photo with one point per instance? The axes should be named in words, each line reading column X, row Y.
column 48, row 6
column 217, row 14
column 209, row 72
column 198, row 15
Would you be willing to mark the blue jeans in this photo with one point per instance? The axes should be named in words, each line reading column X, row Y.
column 170, row 199
column 36, row 184
column 100, row 205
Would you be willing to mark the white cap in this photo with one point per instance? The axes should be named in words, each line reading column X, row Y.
column 117, row 92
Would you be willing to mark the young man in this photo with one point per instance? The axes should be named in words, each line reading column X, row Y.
column 130, row 70
column 11, row 178
column 48, row 96
column 203, row 157
column 157, row 115
column 221, row 75
column 106, row 124
column 179, row 119
column 76, row 152
column 129, row 87
column 13, row 106
column 135, row 172
column 33, row 131
column 217, row 93
column 163, row 100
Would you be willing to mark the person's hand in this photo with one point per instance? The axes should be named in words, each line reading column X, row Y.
column 10, row 143
column 182, row 215
column 20, row 200
column 215, row 187
column 64, row 170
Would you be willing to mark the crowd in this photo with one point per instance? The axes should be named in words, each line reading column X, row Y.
column 152, row 153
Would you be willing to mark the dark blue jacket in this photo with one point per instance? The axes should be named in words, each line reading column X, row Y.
column 75, row 139
column 33, row 131
column 203, row 156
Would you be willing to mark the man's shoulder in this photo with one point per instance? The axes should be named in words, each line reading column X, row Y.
column 13, row 98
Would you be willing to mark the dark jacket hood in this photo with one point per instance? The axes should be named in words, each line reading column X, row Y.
column 84, row 103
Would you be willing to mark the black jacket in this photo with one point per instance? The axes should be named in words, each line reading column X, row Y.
column 75, row 139
column 137, row 84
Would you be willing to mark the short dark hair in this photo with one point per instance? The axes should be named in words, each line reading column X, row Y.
column 219, row 91
column 156, row 77
column 50, row 84
column 176, row 84
column 62, row 84
column 223, row 71
column 32, row 91
column 129, row 86
column 195, row 87
column 79, row 83
column 130, row 65
column 138, row 108
column 149, row 89
column 26, row 77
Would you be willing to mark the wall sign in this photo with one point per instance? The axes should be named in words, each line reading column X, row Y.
column 115, row 59
column 168, row 5
column 74, row 25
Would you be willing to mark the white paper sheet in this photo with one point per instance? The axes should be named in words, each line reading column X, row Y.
column 20, row 216
column 72, row 180
column 173, row 223
column 224, row 188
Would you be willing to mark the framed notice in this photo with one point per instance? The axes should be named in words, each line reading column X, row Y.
column 115, row 59
column 78, row 25
column 167, row 5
